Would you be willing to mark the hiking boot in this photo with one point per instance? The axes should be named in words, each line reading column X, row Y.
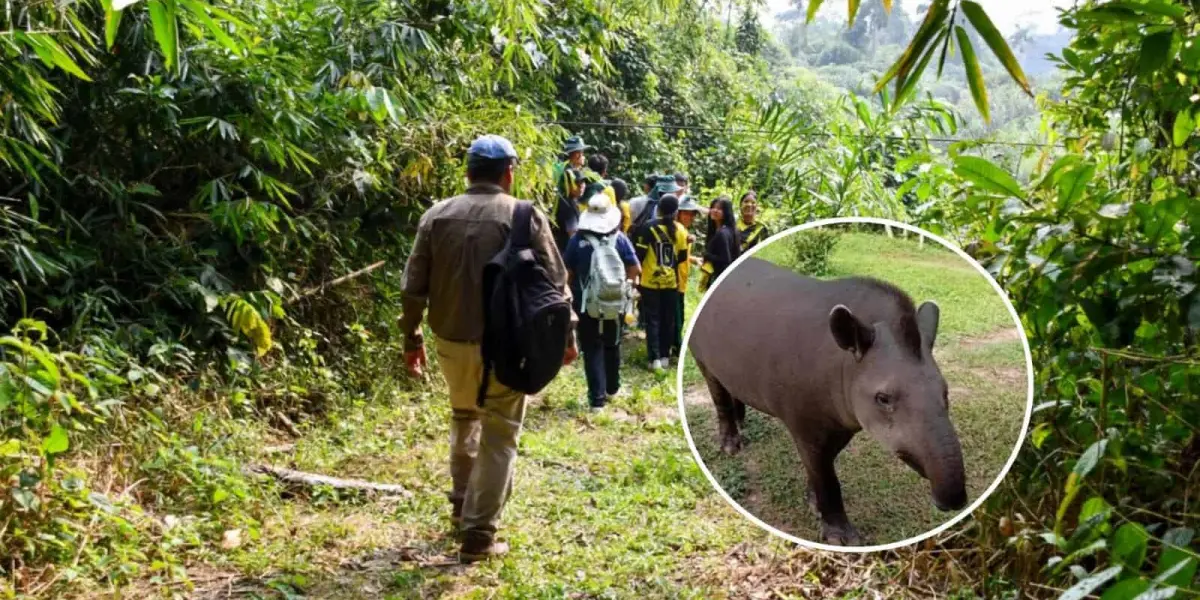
column 657, row 365
column 478, row 545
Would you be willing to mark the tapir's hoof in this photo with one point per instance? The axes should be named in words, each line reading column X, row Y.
column 732, row 444
column 840, row 535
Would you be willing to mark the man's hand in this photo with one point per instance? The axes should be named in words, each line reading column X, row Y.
column 572, row 351
column 415, row 361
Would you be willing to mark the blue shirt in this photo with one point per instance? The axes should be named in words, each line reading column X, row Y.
column 578, row 260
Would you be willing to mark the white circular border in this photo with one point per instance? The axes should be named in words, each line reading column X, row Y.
column 858, row 549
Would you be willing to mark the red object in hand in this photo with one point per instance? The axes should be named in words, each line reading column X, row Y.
column 571, row 355
column 415, row 360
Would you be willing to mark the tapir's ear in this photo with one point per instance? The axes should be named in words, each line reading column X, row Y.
column 927, row 322
column 850, row 333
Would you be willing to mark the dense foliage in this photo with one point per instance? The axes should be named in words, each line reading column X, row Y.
column 180, row 179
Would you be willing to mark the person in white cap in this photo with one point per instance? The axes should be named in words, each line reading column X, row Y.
column 601, row 266
column 455, row 239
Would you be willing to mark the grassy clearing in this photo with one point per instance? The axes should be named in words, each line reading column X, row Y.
column 981, row 356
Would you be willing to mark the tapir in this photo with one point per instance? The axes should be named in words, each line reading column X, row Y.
column 830, row 358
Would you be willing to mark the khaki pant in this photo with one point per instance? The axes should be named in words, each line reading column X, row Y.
column 483, row 441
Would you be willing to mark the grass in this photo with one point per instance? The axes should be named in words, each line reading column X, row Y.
column 980, row 354
column 605, row 505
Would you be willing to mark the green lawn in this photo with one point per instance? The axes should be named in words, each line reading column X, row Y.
column 980, row 354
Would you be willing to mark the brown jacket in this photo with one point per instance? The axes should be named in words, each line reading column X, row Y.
column 455, row 239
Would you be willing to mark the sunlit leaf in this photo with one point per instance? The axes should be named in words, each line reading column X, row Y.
column 58, row 442
column 852, row 7
column 112, row 21
column 162, row 21
column 1185, row 124
column 813, row 6
column 1072, row 185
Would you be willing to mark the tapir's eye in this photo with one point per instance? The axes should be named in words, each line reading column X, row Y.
column 883, row 400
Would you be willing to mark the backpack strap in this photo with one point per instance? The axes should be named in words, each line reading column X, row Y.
column 521, row 235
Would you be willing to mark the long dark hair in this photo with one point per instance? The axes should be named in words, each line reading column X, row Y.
column 728, row 219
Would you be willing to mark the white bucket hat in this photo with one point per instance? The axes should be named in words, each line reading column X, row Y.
column 601, row 215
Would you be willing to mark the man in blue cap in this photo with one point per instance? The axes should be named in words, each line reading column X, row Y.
column 455, row 239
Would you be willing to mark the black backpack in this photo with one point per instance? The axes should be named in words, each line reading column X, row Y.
column 526, row 317
column 649, row 213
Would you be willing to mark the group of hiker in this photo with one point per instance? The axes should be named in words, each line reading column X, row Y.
column 511, row 297
column 626, row 255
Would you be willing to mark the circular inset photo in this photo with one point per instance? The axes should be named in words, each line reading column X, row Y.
column 855, row 384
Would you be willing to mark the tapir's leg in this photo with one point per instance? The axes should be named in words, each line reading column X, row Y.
column 730, row 440
column 824, row 490
column 739, row 414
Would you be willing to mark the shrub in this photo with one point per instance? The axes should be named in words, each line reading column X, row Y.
column 811, row 250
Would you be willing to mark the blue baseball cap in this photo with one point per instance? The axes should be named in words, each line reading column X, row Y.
column 492, row 146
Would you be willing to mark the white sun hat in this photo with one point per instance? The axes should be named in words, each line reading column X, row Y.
column 601, row 215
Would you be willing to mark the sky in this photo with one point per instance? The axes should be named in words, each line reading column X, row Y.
column 1006, row 14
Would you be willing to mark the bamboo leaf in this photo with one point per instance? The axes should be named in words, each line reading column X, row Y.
column 910, row 85
column 974, row 73
column 162, row 21
column 935, row 18
column 887, row 6
column 813, row 5
column 200, row 11
column 112, row 22
column 853, row 8
column 983, row 25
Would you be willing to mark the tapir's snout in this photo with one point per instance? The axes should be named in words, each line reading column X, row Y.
column 954, row 501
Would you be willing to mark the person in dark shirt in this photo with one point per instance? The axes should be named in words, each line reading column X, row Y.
column 566, row 213
column 722, row 245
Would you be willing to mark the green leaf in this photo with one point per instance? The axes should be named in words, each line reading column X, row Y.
column 10, row 448
column 1072, row 184
column 1126, row 589
column 1129, row 545
column 1039, row 434
column 200, row 11
column 52, row 54
column 853, row 8
column 1090, row 458
column 1176, row 566
column 935, row 17
column 1156, row 49
column 58, row 442
column 219, row 495
column 162, row 21
column 985, row 174
column 112, row 22
column 910, row 85
column 1185, row 124
column 974, row 73
column 813, row 5
column 987, row 30
column 1080, row 590
column 1153, row 7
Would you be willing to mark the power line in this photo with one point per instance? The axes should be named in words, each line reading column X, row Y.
column 826, row 134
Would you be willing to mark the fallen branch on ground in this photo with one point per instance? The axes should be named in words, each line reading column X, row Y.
column 313, row 479
column 342, row 279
